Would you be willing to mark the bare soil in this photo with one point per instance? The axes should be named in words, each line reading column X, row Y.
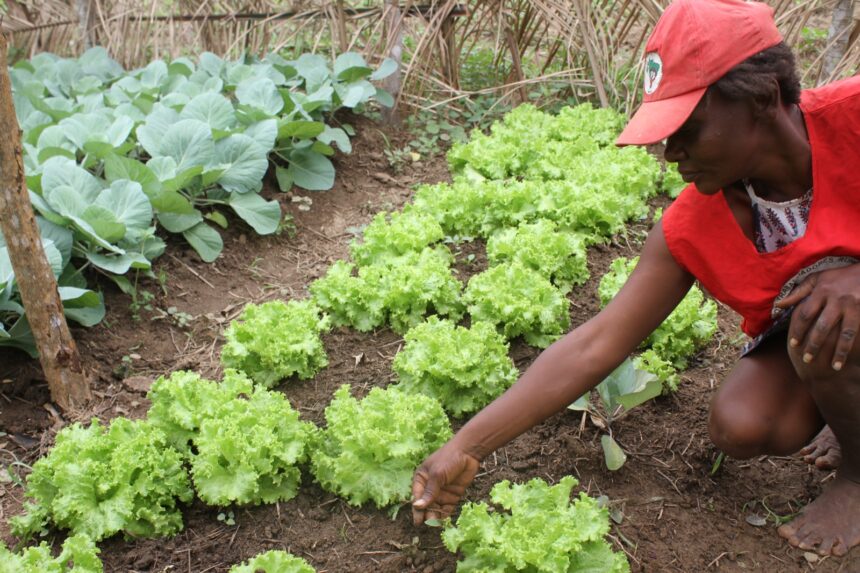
column 678, row 512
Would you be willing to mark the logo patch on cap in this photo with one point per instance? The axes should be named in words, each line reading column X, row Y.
column 653, row 72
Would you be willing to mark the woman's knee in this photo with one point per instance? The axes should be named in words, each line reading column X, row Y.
column 738, row 431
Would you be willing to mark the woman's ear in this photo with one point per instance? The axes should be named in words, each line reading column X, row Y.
column 767, row 102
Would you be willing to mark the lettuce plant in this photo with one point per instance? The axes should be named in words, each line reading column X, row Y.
column 557, row 255
column 520, row 301
column 370, row 448
column 275, row 340
column 684, row 332
column 244, row 443
column 182, row 401
column 537, row 529
column 99, row 482
column 78, row 555
column 250, row 450
column 401, row 290
column 463, row 368
column 273, row 562
column 395, row 234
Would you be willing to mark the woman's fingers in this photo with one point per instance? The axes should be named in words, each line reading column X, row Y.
column 800, row 292
column 847, row 335
column 819, row 329
column 804, row 316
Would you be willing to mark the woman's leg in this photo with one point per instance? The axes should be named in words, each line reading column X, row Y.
column 831, row 523
column 763, row 407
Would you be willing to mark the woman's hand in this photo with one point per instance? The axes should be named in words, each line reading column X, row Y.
column 439, row 483
column 832, row 302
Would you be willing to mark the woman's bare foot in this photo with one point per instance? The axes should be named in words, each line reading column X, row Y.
column 829, row 525
column 824, row 451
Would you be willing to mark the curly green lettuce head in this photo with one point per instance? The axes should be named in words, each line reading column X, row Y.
column 463, row 368
column 100, row 482
column 370, row 448
column 520, row 301
column 249, row 451
column 537, row 529
column 275, row 340
column 274, row 562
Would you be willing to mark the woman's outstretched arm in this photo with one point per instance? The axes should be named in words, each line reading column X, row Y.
column 561, row 374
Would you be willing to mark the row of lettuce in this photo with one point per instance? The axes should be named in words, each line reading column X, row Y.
column 539, row 190
column 111, row 156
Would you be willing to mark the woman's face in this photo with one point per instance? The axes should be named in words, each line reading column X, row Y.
column 717, row 145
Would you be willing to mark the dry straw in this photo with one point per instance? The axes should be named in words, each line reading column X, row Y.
column 591, row 47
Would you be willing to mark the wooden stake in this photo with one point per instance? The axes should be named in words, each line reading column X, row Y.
column 393, row 83
column 57, row 350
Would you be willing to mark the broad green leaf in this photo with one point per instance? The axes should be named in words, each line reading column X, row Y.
column 54, row 136
column 244, row 163
column 285, row 178
column 164, row 168
column 262, row 94
column 180, row 222
column 265, row 133
column 322, row 97
column 189, row 143
column 49, row 152
column 350, row 66
column 205, row 240
column 263, row 216
column 211, row 175
column 98, row 150
column 182, row 180
column 154, row 75
column 211, row 63
column 612, row 453
column 118, row 167
column 181, row 66
column 385, row 69
column 60, row 236
column 218, row 218
column 628, row 387
column 127, row 201
column 356, row 93
column 172, row 202
column 301, row 129
column 66, row 201
column 323, row 148
column 311, row 171
column 83, row 306
column 118, row 264
column 151, row 134
column 211, row 108
column 314, row 69
column 105, row 223
column 384, row 98
column 580, row 404
column 60, row 171
column 21, row 337
column 336, row 135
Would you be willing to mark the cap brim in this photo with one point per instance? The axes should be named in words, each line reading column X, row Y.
column 656, row 120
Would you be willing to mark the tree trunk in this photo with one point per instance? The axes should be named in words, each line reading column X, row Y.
column 837, row 37
column 44, row 311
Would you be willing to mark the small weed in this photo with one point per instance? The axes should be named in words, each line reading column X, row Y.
column 141, row 300
column 227, row 518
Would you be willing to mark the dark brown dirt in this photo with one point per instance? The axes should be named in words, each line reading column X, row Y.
column 679, row 515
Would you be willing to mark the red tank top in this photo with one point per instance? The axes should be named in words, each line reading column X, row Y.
column 706, row 240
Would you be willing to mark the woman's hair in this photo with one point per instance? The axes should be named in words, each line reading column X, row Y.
column 752, row 77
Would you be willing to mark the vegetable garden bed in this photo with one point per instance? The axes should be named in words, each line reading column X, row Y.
column 675, row 508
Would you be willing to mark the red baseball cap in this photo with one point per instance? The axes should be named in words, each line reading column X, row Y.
column 693, row 45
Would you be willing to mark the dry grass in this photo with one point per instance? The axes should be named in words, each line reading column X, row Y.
column 592, row 47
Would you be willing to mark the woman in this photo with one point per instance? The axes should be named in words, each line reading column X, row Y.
column 768, row 226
